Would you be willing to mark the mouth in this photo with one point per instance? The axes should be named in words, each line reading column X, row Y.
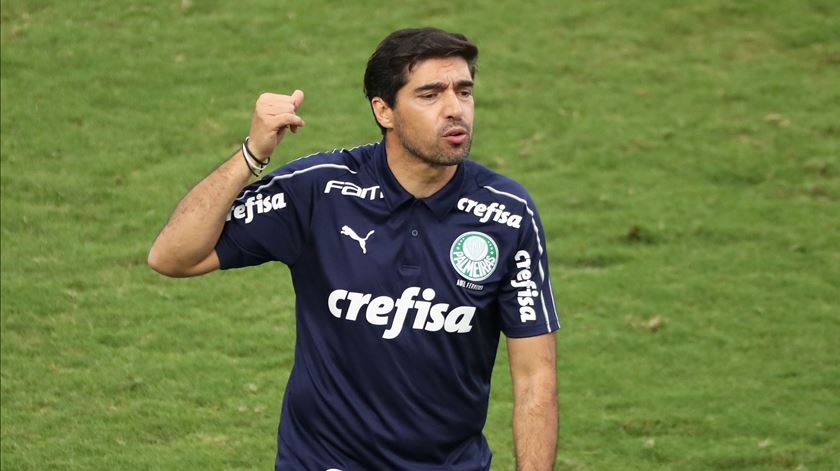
column 456, row 135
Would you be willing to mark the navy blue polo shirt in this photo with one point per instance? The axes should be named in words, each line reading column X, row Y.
column 399, row 305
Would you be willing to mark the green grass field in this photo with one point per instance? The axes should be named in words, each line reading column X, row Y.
column 685, row 157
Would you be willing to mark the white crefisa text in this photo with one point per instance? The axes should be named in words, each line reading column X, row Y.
column 377, row 311
column 487, row 212
column 257, row 205
column 527, row 288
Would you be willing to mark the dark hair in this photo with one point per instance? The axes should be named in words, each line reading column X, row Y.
column 388, row 67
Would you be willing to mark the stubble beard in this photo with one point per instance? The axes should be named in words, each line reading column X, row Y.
column 436, row 153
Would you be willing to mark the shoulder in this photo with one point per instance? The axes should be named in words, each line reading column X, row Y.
column 336, row 161
column 314, row 169
column 491, row 186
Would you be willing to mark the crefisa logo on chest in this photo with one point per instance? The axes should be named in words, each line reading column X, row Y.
column 474, row 255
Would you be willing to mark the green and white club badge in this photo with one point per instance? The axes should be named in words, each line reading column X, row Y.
column 474, row 255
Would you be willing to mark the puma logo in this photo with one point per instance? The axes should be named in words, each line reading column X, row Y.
column 345, row 230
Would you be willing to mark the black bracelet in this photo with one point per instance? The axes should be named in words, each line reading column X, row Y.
column 248, row 163
column 257, row 166
column 262, row 163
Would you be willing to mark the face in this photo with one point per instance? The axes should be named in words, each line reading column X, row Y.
column 433, row 114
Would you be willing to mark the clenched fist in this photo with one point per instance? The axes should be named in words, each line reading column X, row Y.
column 273, row 114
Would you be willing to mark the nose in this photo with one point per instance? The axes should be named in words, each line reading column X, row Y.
column 452, row 106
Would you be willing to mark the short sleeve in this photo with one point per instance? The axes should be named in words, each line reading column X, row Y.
column 267, row 222
column 526, row 300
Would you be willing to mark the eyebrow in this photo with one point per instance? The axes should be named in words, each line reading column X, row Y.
column 442, row 86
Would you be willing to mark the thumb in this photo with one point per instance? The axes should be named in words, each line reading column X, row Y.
column 297, row 98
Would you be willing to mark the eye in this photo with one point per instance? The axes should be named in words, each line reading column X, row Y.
column 466, row 93
column 428, row 96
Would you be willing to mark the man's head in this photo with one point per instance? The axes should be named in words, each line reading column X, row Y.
column 419, row 83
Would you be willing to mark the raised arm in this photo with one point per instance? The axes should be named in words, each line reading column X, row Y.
column 185, row 246
column 534, row 374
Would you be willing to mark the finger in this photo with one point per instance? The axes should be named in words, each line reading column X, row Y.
column 297, row 98
column 283, row 120
column 279, row 110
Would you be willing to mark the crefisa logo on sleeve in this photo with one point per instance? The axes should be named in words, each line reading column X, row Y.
column 527, row 294
column 474, row 255
column 256, row 205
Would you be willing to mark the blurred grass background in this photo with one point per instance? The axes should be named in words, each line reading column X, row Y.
column 684, row 157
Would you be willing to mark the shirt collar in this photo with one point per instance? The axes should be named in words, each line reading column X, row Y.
column 439, row 203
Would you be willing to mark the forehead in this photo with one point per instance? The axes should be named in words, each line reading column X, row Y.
column 438, row 69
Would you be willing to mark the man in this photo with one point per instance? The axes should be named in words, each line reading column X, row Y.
column 407, row 260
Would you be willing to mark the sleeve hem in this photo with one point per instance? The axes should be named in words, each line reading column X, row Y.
column 529, row 331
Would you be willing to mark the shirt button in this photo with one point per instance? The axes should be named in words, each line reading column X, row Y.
column 415, row 233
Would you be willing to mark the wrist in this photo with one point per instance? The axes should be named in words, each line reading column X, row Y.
column 257, row 156
column 255, row 165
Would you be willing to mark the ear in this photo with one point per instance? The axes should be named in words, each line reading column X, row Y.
column 383, row 113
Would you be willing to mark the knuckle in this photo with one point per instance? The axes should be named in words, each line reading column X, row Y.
column 267, row 99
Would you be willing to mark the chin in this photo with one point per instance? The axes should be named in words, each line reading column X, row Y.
column 447, row 161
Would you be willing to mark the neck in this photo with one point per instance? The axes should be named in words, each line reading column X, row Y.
column 418, row 177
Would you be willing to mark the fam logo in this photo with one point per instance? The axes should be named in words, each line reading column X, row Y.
column 474, row 255
column 351, row 189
